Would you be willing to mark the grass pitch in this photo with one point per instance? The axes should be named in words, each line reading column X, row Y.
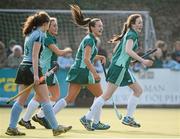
column 155, row 123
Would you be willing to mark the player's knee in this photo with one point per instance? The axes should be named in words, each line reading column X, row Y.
column 69, row 100
column 55, row 97
column 21, row 103
column 58, row 96
column 139, row 92
column 98, row 94
column 107, row 96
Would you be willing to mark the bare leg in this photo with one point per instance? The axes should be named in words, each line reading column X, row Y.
column 133, row 99
column 73, row 91
column 55, row 92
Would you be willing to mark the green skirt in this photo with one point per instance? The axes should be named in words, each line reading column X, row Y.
column 80, row 76
column 120, row 76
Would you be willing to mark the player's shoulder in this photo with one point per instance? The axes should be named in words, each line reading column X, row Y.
column 132, row 32
column 88, row 37
column 37, row 32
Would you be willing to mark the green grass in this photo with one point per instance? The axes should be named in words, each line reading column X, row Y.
column 155, row 123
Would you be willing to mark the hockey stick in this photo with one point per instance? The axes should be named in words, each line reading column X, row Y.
column 118, row 114
column 146, row 54
column 52, row 71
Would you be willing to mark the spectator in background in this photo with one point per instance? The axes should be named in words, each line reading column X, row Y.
column 177, row 46
column 170, row 63
column 177, row 56
column 10, row 47
column 65, row 61
column 16, row 57
column 163, row 46
column 176, row 52
column 173, row 60
column 157, row 58
column 3, row 56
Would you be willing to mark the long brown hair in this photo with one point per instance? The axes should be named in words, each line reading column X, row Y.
column 34, row 21
column 80, row 20
column 128, row 24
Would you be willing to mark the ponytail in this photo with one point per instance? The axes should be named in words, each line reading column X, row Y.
column 28, row 25
column 128, row 24
column 119, row 37
column 34, row 21
column 78, row 17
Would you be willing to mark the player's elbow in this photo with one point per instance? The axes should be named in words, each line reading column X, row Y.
column 59, row 53
column 128, row 51
column 86, row 61
column 35, row 57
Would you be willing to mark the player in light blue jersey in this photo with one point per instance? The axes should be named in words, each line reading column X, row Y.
column 119, row 74
column 30, row 72
column 48, row 56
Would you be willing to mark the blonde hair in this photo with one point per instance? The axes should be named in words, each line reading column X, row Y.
column 52, row 19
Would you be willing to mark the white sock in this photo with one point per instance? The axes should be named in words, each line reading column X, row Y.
column 40, row 114
column 59, row 105
column 31, row 108
column 97, row 116
column 95, row 108
column 89, row 114
column 132, row 103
